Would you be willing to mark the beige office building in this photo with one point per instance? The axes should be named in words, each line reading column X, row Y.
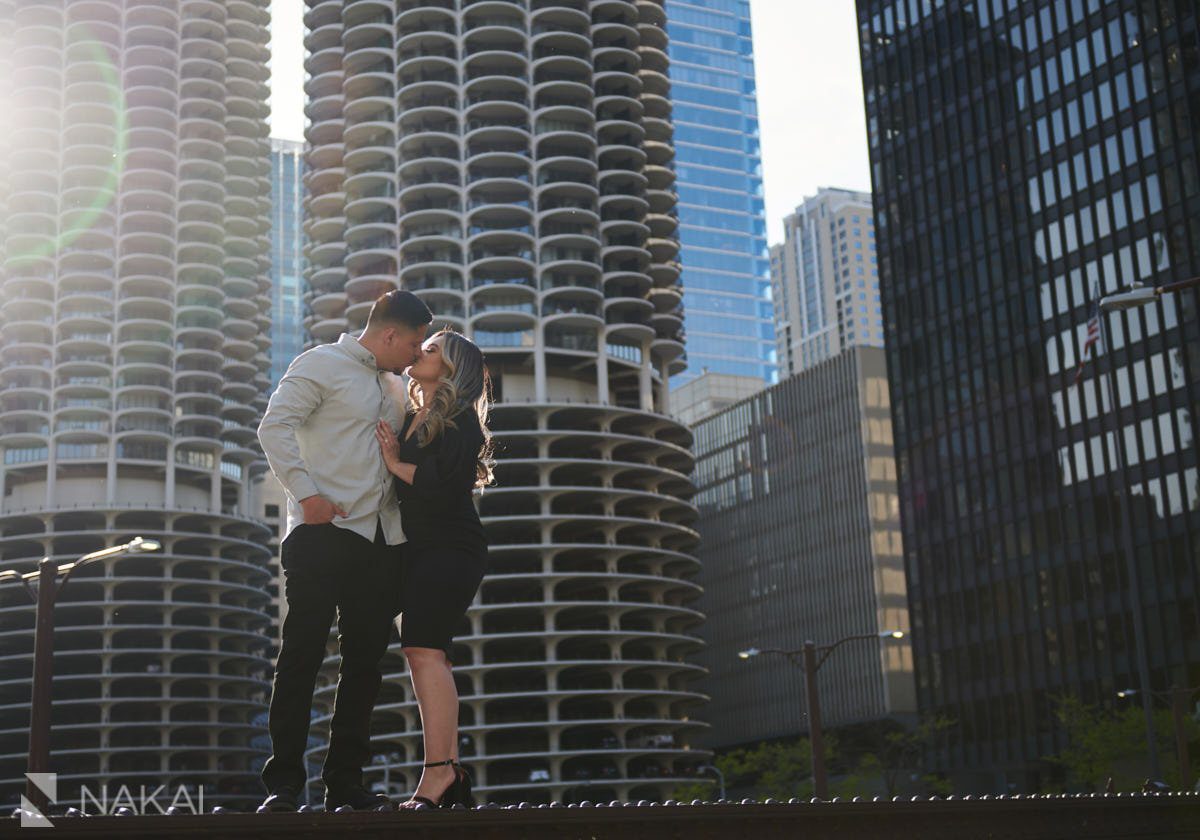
column 711, row 392
column 825, row 280
column 800, row 523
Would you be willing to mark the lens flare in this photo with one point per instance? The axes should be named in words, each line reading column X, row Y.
column 82, row 221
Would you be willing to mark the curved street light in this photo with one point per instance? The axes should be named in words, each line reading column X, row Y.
column 1139, row 294
column 814, row 657
column 1134, row 295
column 44, row 596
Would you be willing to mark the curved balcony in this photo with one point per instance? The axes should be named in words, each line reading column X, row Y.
column 496, row 91
column 561, row 32
column 425, row 24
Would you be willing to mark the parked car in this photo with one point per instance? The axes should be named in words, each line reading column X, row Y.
column 657, row 740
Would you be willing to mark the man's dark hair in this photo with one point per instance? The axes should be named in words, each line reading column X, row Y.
column 398, row 307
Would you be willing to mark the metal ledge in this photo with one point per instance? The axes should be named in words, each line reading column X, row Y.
column 1096, row 817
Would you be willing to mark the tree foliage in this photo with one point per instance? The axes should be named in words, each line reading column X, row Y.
column 1104, row 743
column 779, row 769
column 783, row 769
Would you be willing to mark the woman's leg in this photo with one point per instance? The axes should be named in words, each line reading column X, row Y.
column 437, row 700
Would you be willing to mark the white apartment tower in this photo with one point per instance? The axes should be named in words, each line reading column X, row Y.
column 134, row 199
column 825, row 280
column 511, row 162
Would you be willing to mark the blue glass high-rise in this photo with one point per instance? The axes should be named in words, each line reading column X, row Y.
column 722, row 231
column 287, row 257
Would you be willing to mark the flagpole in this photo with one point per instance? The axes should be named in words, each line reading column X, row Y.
column 1135, row 584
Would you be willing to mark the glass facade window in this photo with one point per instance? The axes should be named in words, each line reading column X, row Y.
column 722, row 228
column 287, row 255
column 1026, row 159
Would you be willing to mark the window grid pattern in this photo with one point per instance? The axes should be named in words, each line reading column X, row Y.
column 287, row 255
column 801, row 540
column 718, row 166
column 1026, row 158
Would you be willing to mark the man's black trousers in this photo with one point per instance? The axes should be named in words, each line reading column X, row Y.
column 329, row 570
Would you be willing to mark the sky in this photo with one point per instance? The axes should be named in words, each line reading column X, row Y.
column 810, row 101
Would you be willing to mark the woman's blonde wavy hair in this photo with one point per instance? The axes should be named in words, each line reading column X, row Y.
column 465, row 385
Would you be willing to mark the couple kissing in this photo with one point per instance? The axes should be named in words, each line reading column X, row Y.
column 379, row 476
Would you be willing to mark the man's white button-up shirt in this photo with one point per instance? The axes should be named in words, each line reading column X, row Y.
column 318, row 434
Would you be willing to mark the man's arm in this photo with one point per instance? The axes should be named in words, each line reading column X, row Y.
column 297, row 396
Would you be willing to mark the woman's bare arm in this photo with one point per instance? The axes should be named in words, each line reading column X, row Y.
column 389, row 447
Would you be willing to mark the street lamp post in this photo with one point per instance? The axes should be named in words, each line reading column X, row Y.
column 1139, row 294
column 1179, row 698
column 48, row 587
column 813, row 657
column 816, row 732
column 1131, row 565
column 1133, row 296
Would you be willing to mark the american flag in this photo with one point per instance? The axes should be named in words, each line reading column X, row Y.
column 1093, row 336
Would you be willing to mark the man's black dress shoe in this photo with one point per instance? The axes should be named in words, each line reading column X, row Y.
column 282, row 799
column 358, row 798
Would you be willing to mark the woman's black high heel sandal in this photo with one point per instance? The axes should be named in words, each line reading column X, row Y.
column 463, row 792
column 449, row 795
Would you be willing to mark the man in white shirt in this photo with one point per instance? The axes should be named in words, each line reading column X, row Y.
column 341, row 547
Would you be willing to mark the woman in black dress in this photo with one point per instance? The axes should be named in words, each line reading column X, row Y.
column 443, row 452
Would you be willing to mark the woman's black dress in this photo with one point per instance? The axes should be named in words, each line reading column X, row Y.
column 446, row 554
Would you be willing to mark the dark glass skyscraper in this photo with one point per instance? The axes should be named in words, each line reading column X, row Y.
column 1028, row 157
column 718, row 166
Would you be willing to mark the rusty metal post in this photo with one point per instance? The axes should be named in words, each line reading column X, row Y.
column 816, row 737
column 43, row 674
column 1179, row 698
